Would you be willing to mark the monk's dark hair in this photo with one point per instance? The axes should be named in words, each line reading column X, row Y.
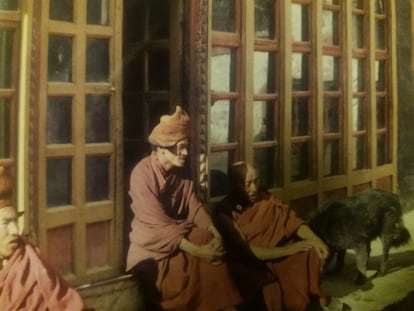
column 237, row 174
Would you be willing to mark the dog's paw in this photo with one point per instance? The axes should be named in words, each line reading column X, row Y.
column 381, row 272
column 360, row 279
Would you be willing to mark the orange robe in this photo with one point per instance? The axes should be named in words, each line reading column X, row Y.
column 167, row 210
column 269, row 223
column 28, row 283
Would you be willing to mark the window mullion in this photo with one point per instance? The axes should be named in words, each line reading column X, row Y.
column 285, row 91
column 246, row 91
column 371, row 139
column 318, row 96
column 348, row 92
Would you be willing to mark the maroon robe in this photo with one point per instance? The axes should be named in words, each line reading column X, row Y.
column 28, row 283
column 269, row 223
column 167, row 210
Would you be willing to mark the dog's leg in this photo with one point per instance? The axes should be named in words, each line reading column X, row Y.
column 385, row 256
column 389, row 231
column 361, row 253
column 340, row 257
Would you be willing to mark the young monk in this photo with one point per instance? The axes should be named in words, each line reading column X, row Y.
column 174, row 247
column 27, row 282
column 271, row 231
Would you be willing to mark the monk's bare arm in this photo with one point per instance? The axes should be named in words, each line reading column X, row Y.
column 209, row 252
column 269, row 253
column 306, row 233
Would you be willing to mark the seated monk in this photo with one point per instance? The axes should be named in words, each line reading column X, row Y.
column 175, row 252
column 27, row 282
column 254, row 219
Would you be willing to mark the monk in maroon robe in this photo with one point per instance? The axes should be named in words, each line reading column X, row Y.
column 27, row 282
column 173, row 242
column 272, row 232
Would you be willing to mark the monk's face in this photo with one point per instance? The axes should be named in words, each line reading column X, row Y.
column 176, row 155
column 251, row 183
column 8, row 231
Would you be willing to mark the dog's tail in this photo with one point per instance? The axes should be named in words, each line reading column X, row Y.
column 400, row 236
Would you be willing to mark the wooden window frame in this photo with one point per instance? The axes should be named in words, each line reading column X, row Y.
column 11, row 20
column 79, row 214
column 318, row 188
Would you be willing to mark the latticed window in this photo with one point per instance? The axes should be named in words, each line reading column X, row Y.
column 9, row 64
column 305, row 91
column 78, row 187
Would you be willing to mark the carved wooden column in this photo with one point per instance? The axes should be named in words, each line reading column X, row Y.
column 197, row 73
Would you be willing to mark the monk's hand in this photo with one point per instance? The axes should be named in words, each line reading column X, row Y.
column 212, row 252
column 321, row 248
column 301, row 246
column 213, row 230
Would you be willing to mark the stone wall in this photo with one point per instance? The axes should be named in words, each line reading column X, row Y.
column 120, row 294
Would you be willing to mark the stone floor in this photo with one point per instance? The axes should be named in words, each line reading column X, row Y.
column 378, row 292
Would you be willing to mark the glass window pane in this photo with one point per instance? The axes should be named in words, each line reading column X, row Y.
column 60, row 59
column 223, row 15
column 264, row 19
column 222, row 120
column 300, row 157
column 331, row 73
column 60, row 249
column 380, row 35
column 264, row 72
column 300, row 72
column 357, row 31
column 263, row 120
column 330, row 27
column 219, row 163
column 8, row 4
column 156, row 109
column 61, row 10
column 331, row 158
column 59, row 120
column 358, row 160
column 6, row 57
column 158, row 70
column 264, row 162
column 59, row 182
column 381, row 113
column 158, row 19
column 357, row 75
column 300, row 22
column 97, row 119
column 331, row 114
column 382, row 149
column 98, row 12
column 5, row 115
column 97, row 178
column 97, row 244
column 133, row 75
column 300, row 116
column 380, row 75
column 358, row 4
column 223, row 69
column 379, row 7
column 358, row 114
column 97, row 60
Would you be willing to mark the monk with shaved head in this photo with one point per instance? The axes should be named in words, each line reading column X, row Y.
column 27, row 281
column 257, row 227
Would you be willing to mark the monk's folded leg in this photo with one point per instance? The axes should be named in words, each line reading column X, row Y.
column 299, row 278
column 194, row 284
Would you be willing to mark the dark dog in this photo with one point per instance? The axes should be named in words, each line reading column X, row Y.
column 353, row 222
